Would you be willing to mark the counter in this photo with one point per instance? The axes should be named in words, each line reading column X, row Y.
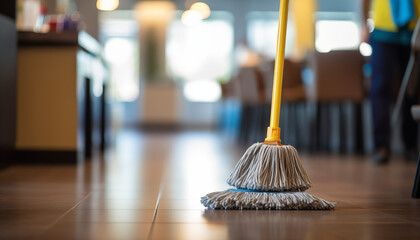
column 59, row 77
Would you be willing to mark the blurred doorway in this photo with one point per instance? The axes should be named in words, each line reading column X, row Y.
column 119, row 34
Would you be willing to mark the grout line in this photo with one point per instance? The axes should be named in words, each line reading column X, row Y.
column 157, row 203
column 68, row 211
column 150, row 235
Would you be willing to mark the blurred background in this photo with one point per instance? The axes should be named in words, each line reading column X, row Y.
column 77, row 72
column 117, row 116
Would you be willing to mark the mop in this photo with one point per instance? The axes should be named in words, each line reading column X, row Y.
column 270, row 176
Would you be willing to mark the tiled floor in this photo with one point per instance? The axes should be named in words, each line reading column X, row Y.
column 148, row 186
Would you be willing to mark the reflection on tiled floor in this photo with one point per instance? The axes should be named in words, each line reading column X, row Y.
column 148, row 186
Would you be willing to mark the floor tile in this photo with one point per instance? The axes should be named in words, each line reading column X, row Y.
column 412, row 215
column 109, row 216
column 15, row 230
column 349, row 216
column 122, row 204
column 100, row 231
column 255, row 230
column 29, row 216
column 188, row 204
column 372, row 231
column 189, row 231
column 180, row 216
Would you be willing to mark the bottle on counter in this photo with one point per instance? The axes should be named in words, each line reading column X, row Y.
column 56, row 22
column 41, row 22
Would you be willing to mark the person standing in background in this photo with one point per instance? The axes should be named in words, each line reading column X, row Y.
column 390, row 39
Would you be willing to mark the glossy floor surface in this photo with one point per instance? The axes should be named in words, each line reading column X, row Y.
column 148, row 186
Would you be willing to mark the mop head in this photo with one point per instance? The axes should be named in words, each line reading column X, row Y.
column 249, row 200
column 267, row 177
column 270, row 168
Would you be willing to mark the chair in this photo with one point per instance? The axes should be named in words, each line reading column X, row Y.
column 338, row 79
column 251, row 97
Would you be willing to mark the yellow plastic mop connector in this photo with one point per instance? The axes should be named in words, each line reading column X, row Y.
column 273, row 136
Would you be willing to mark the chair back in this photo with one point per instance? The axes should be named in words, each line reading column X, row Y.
column 338, row 76
column 250, row 85
column 293, row 89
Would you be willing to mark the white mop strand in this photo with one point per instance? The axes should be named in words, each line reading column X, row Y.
column 242, row 200
column 274, row 168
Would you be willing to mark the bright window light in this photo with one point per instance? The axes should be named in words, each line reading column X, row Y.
column 121, row 53
column 191, row 18
column 262, row 33
column 117, row 50
column 200, row 52
column 365, row 49
column 336, row 35
column 107, row 5
column 202, row 8
column 202, row 91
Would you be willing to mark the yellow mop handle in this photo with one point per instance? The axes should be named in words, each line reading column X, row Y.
column 273, row 132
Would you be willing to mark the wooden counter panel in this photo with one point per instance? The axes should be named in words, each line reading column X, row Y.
column 47, row 104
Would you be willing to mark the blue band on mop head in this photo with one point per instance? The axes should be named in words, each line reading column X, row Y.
column 252, row 191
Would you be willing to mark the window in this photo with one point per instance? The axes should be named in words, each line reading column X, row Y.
column 119, row 33
column 336, row 31
column 120, row 53
column 262, row 31
column 200, row 55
